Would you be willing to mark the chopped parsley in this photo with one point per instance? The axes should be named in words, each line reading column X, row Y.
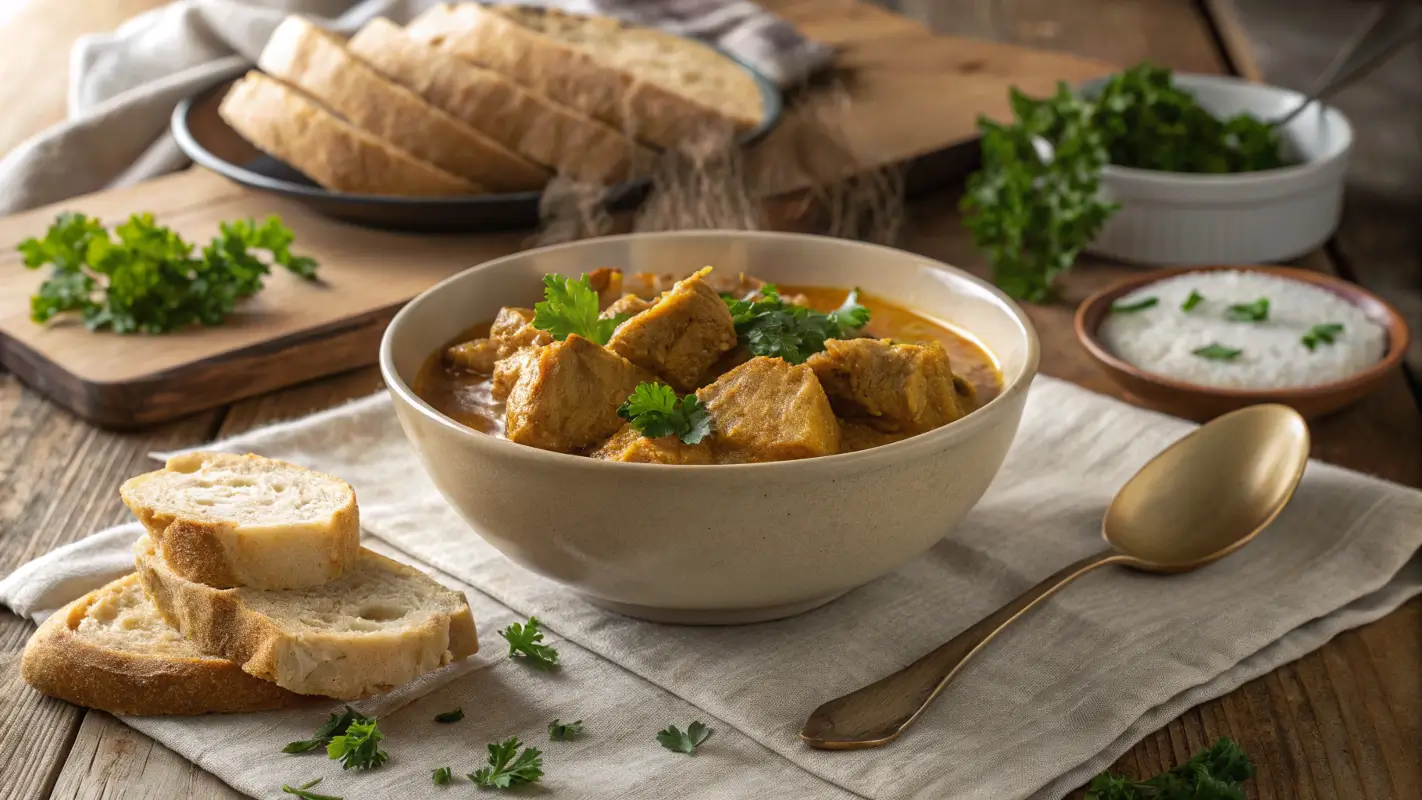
column 442, row 776
column 768, row 326
column 337, row 725
column 655, row 411
column 572, row 306
column 1139, row 305
column 450, row 716
column 1321, row 334
column 1257, row 311
column 507, row 767
column 1214, row 774
column 303, row 791
column 1193, row 300
column 684, row 742
column 525, row 641
column 358, row 747
column 1217, row 352
column 564, row 731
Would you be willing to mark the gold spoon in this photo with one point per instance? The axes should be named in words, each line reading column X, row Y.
column 1198, row 501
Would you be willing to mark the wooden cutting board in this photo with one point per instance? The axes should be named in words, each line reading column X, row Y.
column 905, row 95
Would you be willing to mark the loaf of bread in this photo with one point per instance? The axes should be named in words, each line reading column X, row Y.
column 111, row 650
column 543, row 131
column 293, row 127
column 242, row 520
column 318, row 63
column 661, row 89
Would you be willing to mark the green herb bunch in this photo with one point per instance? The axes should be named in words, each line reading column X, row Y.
column 1215, row 774
column 767, row 325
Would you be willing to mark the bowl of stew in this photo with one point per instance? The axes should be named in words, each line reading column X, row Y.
column 711, row 427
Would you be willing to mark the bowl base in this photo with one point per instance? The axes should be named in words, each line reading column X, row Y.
column 711, row 616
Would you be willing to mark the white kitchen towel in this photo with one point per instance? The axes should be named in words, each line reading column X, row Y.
column 125, row 84
column 1071, row 687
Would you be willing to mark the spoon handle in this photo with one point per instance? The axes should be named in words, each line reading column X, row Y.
column 878, row 713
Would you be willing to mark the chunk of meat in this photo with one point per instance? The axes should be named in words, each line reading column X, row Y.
column 681, row 335
column 506, row 373
column 567, row 393
column 736, row 284
column 770, row 410
column 630, row 445
column 607, row 282
column 855, row 436
column 629, row 304
column 511, row 332
column 901, row 388
column 478, row 355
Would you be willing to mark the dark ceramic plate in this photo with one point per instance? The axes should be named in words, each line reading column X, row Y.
column 208, row 140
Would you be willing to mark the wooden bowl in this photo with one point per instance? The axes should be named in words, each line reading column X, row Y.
column 1202, row 403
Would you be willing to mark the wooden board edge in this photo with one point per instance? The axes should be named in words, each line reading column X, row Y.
column 1222, row 18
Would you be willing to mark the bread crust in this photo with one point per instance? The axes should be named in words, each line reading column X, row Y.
column 345, row 666
column 318, row 63
column 544, row 131
column 61, row 663
column 292, row 127
column 570, row 76
column 224, row 555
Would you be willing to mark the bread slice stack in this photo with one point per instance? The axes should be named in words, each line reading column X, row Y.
column 252, row 592
column 470, row 99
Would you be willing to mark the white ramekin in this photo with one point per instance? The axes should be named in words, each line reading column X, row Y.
column 1177, row 219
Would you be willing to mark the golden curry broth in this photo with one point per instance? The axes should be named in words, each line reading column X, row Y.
column 464, row 396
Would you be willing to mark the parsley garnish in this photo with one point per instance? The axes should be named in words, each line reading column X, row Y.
column 566, row 731
column 358, row 747
column 1325, row 334
column 1217, row 352
column 769, row 326
column 301, row 791
column 524, row 640
column 571, row 306
column 505, row 770
column 1214, row 774
column 1193, row 300
column 1139, row 305
column 450, row 716
column 335, row 726
column 1257, row 311
column 675, row 740
column 441, row 776
column 148, row 280
column 654, row 410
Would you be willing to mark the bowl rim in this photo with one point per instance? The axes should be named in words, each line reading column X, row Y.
column 812, row 467
column 1395, row 325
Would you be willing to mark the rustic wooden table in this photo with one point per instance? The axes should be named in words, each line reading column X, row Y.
column 1342, row 722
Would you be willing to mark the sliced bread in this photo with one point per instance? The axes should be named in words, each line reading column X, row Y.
column 111, row 650
column 292, row 127
column 378, row 626
column 317, row 62
column 660, row 88
column 243, row 520
column 546, row 132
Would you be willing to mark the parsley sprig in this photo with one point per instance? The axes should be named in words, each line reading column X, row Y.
column 525, row 641
column 508, row 767
column 358, row 747
column 655, row 411
column 769, row 326
column 144, row 278
column 337, row 725
column 304, row 791
column 684, row 742
column 1214, row 774
column 571, row 306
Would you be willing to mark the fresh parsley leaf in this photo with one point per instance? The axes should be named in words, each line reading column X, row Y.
column 302, row 791
column 566, row 731
column 358, row 747
column 1217, row 352
column 505, row 769
column 442, row 776
column 655, row 410
column 1193, row 300
column 1139, row 305
column 769, row 326
column 1325, row 333
column 1214, row 774
column 333, row 727
column 1257, row 311
column 524, row 641
column 145, row 277
column 450, row 716
column 675, row 740
column 571, row 306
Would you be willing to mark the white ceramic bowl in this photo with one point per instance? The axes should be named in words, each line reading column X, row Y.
column 1178, row 219
column 714, row 544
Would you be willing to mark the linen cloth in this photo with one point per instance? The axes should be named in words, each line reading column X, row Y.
column 125, row 84
column 1058, row 698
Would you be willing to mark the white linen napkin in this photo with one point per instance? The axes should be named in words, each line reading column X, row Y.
column 125, row 84
column 1060, row 697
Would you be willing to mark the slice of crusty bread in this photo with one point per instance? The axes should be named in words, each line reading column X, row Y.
column 378, row 626
column 660, row 88
column 111, row 650
column 318, row 63
column 243, row 520
column 291, row 126
column 551, row 134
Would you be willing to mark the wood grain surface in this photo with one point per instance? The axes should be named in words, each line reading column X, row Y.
column 1342, row 722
